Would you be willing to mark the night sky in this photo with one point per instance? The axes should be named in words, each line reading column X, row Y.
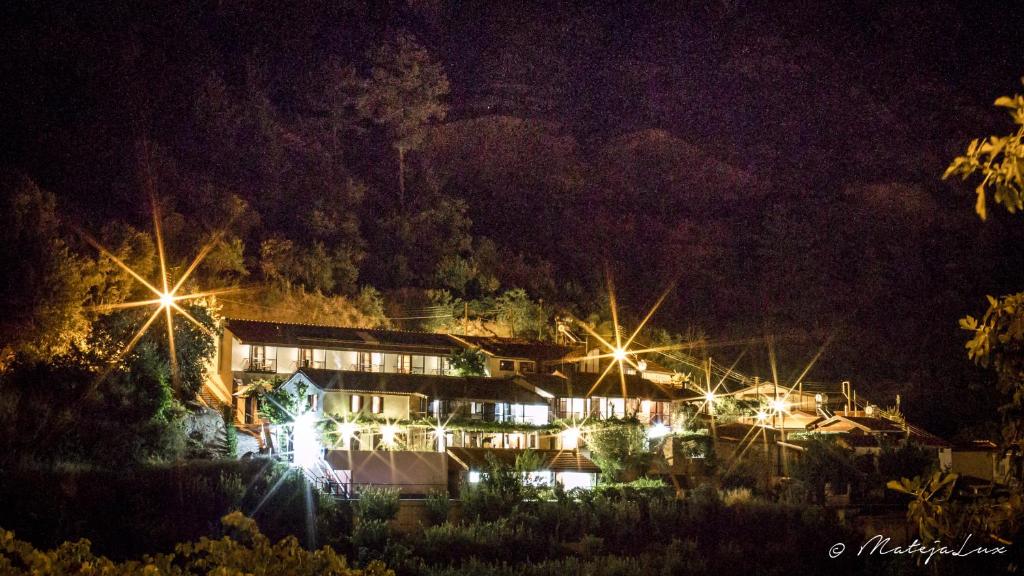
column 780, row 160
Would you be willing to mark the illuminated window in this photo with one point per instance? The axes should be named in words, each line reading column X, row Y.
column 404, row 363
column 527, row 366
column 377, row 405
column 355, row 403
column 507, row 365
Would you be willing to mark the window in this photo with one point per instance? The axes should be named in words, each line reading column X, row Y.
column 377, row 405
column 355, row 403
column 364, row 362
column 507, row 365
column 405, row 363
column 527, row 366
column 572, row 407
column 305, row 358
column 312, row 402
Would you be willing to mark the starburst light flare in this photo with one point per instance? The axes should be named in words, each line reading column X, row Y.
column 166, row 298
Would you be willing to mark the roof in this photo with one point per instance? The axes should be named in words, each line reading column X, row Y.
column 580, row 384
column 429, row 386
column 554, row 460
column 312, row 335
column 840, row 423
column 859, row 441
column 976, row 446
column 517, row 347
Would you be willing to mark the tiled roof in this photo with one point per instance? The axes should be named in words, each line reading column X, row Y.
column 430, row 386
column 554, row 460
column 517, row 347
column 312, row 335
column 579, row 384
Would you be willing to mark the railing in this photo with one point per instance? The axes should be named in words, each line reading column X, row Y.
column 316, row 364
column 380, row 368
column 253, row 365
column 351, row 490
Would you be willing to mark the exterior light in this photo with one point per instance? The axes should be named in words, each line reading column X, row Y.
column 348, row 432
column 779, row 406
column 570, row 438
column 641, row 365
column 619, row 354
column 709, row 396
column 166, row 300
column 762, row 415
column 440, row 434
column 387, row 435
column 818, row 398
column 659, row 430
column 306, row 447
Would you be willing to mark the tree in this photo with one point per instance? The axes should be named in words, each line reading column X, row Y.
column 45, row 284
column 519, row 312
column 469, row 362
column 998, row 336
column 403, row 94
column 619, row 448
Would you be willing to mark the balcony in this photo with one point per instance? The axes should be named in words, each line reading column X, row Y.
column 316, row 364
column 259, row 366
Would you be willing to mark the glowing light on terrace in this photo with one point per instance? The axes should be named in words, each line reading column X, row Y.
column 570, row 438
column 619, row 348
column 306, row 444
column 779, row 406
column 709, row 397
column 166, row 297
column 762, row 416
column 658, row 431
column 387, row 435
column 442, row 439
column 348, row 432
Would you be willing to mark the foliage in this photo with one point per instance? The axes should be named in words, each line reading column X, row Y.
column 230, row 433
column 928, row 508
column 997, row 338
column 403, row 94
column 377, row 503
column 247, row 551
column 516, row 310
column 500, row 489
column 999, row 160
column 158, row 505
column 905, row 461
column 469, row 362
column 293, row 302
column 275, row 402
column 618, row 448
column 46, row 283
column 438, row 506
column 822, row 463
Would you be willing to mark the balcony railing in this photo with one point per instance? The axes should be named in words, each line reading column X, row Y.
column 264, row 366
column 317, row 364
column 380, row 368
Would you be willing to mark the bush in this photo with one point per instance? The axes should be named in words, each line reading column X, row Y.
column 155, row 506
column 438, row 505
column 377, row 503
column 246, row 552
column 736, row 496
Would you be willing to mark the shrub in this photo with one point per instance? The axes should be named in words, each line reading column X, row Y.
column 248, row 551
column 438, row 505
column 736, row 496
column 377, row 503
